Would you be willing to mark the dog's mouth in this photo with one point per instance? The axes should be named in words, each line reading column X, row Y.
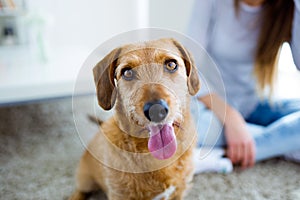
column 162, row 143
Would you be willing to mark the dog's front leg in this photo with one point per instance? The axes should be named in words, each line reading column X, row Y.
column 115, row 197
column 77, row 195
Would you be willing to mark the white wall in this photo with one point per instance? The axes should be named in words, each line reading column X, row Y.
column 170, row 14
column 90, row 22
column 85, row 22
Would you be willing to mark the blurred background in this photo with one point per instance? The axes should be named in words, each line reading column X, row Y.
column 44, row 43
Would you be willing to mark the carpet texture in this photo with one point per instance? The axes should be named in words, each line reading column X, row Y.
column 40, row 149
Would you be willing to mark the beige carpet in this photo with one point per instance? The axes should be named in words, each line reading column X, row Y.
column 39, row 151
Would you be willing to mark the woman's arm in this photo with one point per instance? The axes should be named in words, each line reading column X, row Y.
column 295, row 41
column 199, row 21
column 240, row 144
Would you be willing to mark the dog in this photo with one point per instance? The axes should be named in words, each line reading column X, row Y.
column 145, row 150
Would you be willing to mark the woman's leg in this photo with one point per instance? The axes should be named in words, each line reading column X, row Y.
column 209, row 127
column 279, row 132
column 208, row 157
column 268, row 112
column 280, row 136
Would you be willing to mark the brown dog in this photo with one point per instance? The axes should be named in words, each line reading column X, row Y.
column 145, row 150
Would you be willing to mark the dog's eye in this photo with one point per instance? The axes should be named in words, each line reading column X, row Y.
column 127, row 73
column 171, row 65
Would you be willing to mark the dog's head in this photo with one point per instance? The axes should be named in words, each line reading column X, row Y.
column 150, row 83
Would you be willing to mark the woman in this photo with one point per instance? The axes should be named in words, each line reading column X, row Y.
column 243, row 37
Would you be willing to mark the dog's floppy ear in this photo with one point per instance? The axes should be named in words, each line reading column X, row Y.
column 104, row 79
column 191, row 70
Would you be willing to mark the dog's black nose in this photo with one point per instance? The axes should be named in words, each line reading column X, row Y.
column 156, row 111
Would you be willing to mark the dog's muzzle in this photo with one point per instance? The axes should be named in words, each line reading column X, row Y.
column 156, row 111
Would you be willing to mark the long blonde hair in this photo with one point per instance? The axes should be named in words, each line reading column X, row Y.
column 276, row 25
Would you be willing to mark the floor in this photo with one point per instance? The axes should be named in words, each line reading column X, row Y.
column 40, row 148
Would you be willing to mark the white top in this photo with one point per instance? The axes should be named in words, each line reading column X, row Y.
column 231, row 42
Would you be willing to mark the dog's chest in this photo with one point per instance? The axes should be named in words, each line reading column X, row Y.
column 159, row 185
column 166, row 194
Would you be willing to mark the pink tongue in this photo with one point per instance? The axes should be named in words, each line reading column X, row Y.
column 162, row 142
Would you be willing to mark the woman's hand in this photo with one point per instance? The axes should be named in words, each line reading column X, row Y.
column 240, row 144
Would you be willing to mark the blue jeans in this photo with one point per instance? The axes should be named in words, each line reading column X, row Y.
column 275, row 127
